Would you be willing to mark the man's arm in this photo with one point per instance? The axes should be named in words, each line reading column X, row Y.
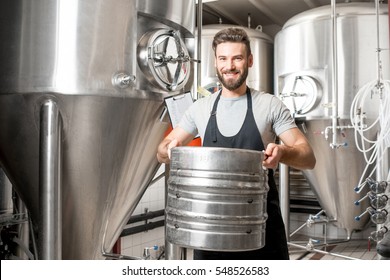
column 295, row 151
column 177, row 137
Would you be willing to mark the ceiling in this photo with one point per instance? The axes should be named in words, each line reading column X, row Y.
column 270, row 14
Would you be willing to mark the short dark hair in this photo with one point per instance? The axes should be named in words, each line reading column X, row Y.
column 232, row 34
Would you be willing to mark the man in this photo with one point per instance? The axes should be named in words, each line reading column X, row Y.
column 238, row 117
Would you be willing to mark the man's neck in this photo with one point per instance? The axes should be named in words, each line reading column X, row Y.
column 234, row 93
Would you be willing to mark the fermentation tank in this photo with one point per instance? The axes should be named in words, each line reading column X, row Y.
column 260, row 74
column 81, row 98
column 321, row 62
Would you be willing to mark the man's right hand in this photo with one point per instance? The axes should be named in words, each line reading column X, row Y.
column 177, row 137
column 164, row 150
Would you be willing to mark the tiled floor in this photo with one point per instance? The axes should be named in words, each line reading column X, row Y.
column 334, row 250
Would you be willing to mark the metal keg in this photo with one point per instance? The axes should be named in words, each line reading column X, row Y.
column 217, row 199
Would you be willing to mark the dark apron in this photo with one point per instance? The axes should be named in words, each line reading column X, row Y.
column 249, row 138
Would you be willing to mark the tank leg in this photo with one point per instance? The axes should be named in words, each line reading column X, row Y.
column 284, row 193
column 49, row 224
column 174, row 252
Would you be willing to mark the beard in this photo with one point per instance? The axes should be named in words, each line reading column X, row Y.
column 231, row 84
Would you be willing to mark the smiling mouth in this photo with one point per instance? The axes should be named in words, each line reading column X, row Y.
column 231, row 74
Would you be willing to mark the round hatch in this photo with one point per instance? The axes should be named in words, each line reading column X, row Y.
column 300, row 94
column 164, row 59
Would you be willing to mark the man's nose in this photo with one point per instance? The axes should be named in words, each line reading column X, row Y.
column 231, row 64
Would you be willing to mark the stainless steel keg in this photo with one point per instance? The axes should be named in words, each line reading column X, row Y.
column 216, row 199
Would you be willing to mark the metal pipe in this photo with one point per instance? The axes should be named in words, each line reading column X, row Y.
column 142, row 228
column 378, row 49
column 120, row 257
column 23, row 234
column 146, row 216
column 334, row 76
column 322, row 252
column 157, row 178
column 199, row 49
column 284, row 183
column 309, row 221
column 33, row 237
column 49, row 224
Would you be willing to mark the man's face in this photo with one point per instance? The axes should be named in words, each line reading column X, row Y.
column 232, row 64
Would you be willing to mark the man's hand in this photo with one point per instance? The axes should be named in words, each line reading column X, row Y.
column 174, row 143
column 272, row 155
column 177, row 137
column 164, row 150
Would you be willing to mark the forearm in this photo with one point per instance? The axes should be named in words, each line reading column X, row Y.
column 299, row 156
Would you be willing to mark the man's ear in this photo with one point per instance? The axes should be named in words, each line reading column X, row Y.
column 250, row 60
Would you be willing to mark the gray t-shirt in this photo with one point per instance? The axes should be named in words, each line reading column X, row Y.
column 271, row 115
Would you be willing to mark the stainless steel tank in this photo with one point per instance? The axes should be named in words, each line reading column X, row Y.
column 217, row 199
column 81, row 98
column 316, row 79
column 260, row 75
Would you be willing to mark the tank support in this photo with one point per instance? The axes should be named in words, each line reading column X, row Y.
column 50, row 239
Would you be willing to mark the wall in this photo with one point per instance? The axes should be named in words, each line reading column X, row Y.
column 153, row 200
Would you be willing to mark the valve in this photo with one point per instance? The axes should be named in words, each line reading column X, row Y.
column 311, row 220
column 376, row 187
column 122, row 80
column 146, row 253
column 378, row 234
column 311, row 244
column 378, row 201
column 377, row 216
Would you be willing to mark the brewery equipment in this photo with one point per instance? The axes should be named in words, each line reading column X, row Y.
column 81, row 98
column 322, row 59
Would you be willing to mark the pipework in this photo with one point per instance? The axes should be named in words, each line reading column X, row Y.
column 335, row 144
column 312, row 243
column 334, row 76
column 378, row 203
